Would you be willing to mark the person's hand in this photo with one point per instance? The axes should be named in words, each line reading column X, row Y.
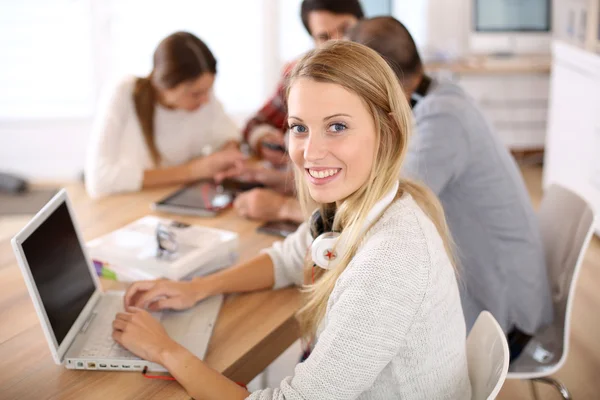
column 275, row 157
column 212, row 164
column 165, row 294
column 255, row 172
column 140, row 333
column 260, row 204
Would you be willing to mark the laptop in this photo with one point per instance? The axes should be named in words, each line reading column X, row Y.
column 75, row 315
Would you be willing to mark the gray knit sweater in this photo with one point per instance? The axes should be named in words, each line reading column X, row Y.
column 394, row 327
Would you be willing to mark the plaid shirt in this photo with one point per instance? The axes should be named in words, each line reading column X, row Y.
column 274, row 112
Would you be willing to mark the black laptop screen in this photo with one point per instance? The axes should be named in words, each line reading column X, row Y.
column 59, row 269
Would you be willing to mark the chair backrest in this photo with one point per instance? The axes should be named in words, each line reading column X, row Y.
column 567, row 224
column 487, row 357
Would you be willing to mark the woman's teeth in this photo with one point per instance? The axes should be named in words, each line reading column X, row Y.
column 323, row 173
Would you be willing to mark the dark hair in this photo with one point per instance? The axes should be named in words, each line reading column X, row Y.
column 179, row 57
column 352, row 7
column 390, row 38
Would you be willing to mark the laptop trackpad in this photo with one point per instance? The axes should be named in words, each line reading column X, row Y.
column 192, row 328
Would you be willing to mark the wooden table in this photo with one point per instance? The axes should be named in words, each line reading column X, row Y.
column 251, row 331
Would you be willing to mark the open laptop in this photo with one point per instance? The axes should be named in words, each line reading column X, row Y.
column 75, row 315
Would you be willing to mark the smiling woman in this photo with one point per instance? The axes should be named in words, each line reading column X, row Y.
column 383, row 312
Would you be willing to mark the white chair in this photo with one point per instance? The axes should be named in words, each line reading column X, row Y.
column 487, row 357
column 567, row 223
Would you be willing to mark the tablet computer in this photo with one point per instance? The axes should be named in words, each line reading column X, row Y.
column 203, row 198
column 278, row 228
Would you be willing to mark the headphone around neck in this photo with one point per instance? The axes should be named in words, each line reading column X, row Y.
column 325, row 250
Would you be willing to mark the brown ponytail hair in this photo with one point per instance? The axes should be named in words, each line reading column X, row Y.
column 179, row 57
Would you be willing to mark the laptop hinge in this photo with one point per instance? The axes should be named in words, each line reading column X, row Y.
column 88, row 322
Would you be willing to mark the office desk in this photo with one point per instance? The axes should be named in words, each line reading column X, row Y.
column 251, row 331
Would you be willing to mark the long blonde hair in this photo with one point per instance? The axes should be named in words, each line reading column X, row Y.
column 363, row 72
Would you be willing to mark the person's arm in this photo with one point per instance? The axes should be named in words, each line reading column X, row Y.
column 143, row 335
column 291, row 210
column 197, row 168
column 371, row 311
column 112, row 165
column 438, row 151
column 278, row 266
column 270, row 119
column 199, row 380
column 171, row 175
column 269, row 124
column 268, row 205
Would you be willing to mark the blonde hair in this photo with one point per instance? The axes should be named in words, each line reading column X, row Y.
column 362, row 71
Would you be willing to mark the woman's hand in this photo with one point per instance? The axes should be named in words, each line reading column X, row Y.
column 209, row 166
column 260, row 204
column 164, row 294
column 254, row 172
column 143, row 335
column 275, row 157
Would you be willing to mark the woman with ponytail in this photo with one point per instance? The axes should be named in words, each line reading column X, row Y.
column 165, row 128
column 382, row 309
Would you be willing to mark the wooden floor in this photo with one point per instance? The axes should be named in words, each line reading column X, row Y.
column 581, row 372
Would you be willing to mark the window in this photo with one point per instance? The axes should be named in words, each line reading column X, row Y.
column 46, row 69
column 234, row 36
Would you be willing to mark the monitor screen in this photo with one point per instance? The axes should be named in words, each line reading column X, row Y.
column 512, row 15
column 59, row 269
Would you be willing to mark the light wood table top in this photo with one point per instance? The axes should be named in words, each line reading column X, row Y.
column 251, row 331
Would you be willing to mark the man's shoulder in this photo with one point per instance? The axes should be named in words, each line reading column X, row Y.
column 444, row 98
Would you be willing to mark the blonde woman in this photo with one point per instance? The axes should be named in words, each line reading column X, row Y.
column 163, row 129
column 385, row 314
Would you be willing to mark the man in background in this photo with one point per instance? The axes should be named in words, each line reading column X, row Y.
column 324, row 20
column 454, row 151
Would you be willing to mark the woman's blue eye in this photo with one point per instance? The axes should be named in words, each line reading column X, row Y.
column 298, row 129
column 337, row 127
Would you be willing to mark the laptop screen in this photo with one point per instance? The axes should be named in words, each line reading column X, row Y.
column 59, row 270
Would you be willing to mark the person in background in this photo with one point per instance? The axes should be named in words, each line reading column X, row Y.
column 455, row 152
column 165, row 128
column 385, row 314
column 324, row 20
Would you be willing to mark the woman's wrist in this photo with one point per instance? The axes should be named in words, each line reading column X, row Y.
column 171, row 355
column 206, row 286
column 289, row 209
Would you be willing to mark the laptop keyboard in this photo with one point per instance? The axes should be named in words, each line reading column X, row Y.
column 100, row 343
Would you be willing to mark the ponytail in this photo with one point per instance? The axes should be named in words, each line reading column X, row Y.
column 144, row 98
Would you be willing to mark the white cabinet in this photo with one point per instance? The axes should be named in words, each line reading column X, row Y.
column 516, row 105
column 572, row 155
column 512, row 92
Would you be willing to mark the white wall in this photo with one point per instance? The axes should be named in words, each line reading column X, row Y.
column 439, row 27
column 44, row 149
column 62, row 54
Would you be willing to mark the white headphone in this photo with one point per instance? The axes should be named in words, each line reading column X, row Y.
column 325, row 249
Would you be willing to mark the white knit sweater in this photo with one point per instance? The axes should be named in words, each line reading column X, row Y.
column 394, row 327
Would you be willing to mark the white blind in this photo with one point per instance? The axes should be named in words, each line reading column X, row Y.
column 46, row 62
